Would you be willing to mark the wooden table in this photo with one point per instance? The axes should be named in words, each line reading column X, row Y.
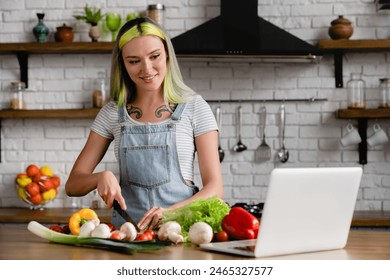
column 17, row 243
column 373, row 219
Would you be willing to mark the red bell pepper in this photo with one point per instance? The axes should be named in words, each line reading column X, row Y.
column 240, row 224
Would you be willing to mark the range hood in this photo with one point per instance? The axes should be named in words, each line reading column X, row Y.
column 238, row 32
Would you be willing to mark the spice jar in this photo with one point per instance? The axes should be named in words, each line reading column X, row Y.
column 17, row 99
column 99, row 95
column 384, row 88
column 356, row 92
column 156, row 13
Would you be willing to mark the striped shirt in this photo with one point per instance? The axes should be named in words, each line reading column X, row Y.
column 196, row 119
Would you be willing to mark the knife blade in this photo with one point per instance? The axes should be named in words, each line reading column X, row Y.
column 124, row 214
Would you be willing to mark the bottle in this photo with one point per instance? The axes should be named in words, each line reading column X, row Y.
column 17, row 99
column 384, row 89
column 40, row 30
column 356, row 92
column 156, row 13
column 99, row 95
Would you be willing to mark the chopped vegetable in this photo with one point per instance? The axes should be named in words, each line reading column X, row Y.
column 102, row 243
column 79, row 218
column 240, row 224
column 209, row 210
column 87, row 228
column 168, row 227
column 200, row 233
column 130, row 231
column 102, row 231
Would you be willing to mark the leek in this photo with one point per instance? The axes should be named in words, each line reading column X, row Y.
column 102, row 243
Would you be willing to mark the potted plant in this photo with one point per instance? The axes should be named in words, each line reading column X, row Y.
column 91, row 16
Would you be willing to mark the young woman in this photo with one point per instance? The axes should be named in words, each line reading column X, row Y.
column 157, row 124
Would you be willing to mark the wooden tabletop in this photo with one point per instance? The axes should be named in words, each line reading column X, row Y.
column 61, row 216
column 17, row 243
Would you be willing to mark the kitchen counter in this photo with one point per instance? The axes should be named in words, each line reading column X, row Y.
column 17, row 243
column 61, row 216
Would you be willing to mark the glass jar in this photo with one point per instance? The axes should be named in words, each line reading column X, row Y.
column 99, row 95
column 384, row 88
column 17, row 99
column 156, row 13
column 356, row 92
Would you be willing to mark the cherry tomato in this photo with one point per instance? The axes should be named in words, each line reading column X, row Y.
column 116, row 235
column 143, row 237
column 111, row 226
column 56, row 228
column 222, row 236
column 66, row 229
column 150, row 232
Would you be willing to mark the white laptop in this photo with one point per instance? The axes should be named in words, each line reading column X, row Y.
column 306, row 210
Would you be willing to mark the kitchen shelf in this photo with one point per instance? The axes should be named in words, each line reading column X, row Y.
column 49, row 114
column 362, row 116
column 340, row 47
column 24, row 50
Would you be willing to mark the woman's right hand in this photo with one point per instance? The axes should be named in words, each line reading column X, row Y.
column 109, row 189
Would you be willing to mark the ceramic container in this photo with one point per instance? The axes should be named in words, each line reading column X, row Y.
column 64, row 34
column 341, row 28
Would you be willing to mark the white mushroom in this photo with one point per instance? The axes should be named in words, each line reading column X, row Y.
column 87, row 228
column 175, row 237
column 102, row 231
column 130, row 231
column 168, row 227
column 200, row 233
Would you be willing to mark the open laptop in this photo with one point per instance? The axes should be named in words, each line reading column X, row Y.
column 306, row 210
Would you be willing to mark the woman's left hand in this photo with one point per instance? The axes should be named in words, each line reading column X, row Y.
column 151, row 218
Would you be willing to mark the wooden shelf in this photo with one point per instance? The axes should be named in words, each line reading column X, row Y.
column 340, row 47
column 49, row 114
column 362, row 116
column 24, row 50
column 57, row 47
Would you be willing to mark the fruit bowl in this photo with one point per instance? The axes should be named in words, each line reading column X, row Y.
column 37, row 186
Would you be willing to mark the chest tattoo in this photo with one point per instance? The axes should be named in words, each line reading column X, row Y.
column 134, row 110
column 160, row 110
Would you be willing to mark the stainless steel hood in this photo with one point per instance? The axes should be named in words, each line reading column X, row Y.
column 238, row 32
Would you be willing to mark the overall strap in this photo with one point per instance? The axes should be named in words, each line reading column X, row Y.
column 178, row 111
column 122, row 113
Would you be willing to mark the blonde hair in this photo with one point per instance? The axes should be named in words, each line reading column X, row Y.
column 122, row 88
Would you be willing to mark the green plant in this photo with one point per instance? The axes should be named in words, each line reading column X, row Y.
column 91, row 15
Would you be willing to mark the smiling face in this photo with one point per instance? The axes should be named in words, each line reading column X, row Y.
column 145, row 60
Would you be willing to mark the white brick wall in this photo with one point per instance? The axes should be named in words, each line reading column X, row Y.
column 313, row 132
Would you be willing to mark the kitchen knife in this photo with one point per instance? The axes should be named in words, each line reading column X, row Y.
column 124, row 214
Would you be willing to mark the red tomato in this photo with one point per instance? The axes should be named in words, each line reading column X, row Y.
column 32, row 189
column 111, row 226
column 143, row 237
column 116, row 235
column 36, row 199
column 222, row 236
column 56, row 228
column 32, row 170
column 150, row 232
column 66, row 229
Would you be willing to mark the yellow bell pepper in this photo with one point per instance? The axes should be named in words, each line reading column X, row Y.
column 23, row 181
column 79, row 218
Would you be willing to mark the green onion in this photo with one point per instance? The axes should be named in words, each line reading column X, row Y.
column 102, row 243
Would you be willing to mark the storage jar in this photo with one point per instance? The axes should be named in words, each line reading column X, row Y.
column 356, row 92
column 156, row 13
column 17, row 99
column 384, row 89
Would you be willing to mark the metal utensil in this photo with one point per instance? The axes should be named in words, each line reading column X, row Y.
column 283, row 153
column 221, row 152
column 263, row 151
column 239, row 147
column 124, row 214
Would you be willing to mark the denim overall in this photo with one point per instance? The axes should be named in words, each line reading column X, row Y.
column 150, row 174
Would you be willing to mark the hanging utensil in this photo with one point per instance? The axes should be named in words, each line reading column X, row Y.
column 221, row 152
column 263, row 151
column 283, row 153
column 239, row 147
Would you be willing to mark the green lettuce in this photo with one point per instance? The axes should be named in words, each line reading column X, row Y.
column 209, row 210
